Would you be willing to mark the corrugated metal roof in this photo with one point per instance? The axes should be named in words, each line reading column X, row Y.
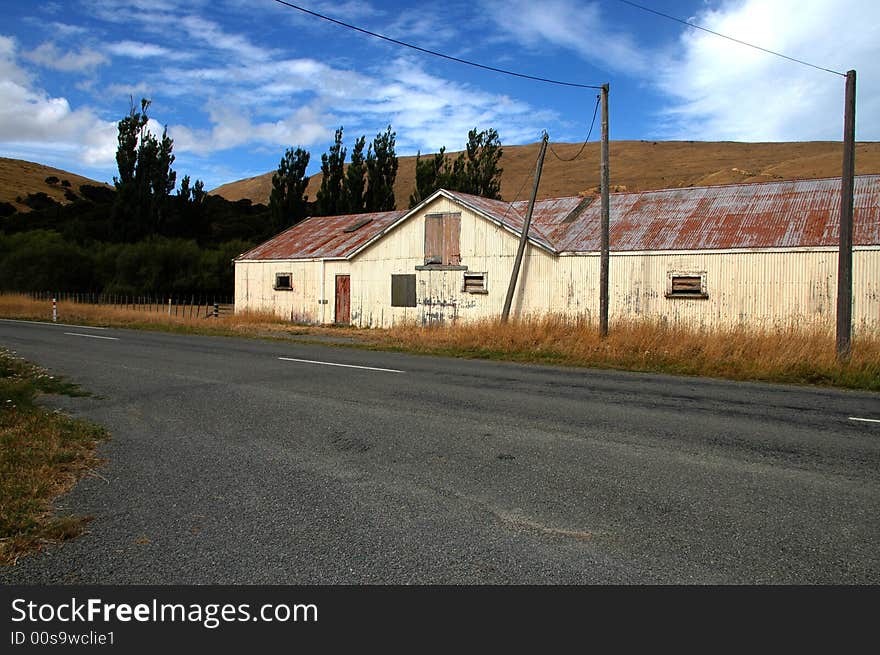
column 798, row 213
column 325, row 237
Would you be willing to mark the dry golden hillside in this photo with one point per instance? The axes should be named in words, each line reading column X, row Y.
column 635, row 165
column 18, row 178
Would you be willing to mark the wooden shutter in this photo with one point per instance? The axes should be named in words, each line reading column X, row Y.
column 686, row 285
column 403, row 290
column 434, row 239
column 451, row 239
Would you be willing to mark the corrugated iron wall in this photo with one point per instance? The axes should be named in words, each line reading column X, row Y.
column 755, row 288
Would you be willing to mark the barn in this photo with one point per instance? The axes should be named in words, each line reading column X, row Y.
column 762, row 255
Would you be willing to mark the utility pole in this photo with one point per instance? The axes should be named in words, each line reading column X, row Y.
column 604, row 255
column 844, row 256
column 524, row 237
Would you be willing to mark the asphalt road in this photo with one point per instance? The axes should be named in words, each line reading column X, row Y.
column 231, row 465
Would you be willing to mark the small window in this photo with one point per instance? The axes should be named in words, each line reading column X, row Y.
column 403, row 290
column 475, row 283
column 686, row 284
column 283, row 281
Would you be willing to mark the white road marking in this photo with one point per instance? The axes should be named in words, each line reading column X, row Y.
column 92, row 336
column 20, row 320
column 865, row 420
column 367, row 368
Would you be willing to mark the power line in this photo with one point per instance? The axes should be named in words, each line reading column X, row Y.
column 434, row 52
column 729, row 38
column 518, row 194
column 592, row 123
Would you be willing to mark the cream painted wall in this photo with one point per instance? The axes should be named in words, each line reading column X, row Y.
column 756, row 288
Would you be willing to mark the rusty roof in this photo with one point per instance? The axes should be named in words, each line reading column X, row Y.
column 797, row 213
column 325, row 237
column 785, row 214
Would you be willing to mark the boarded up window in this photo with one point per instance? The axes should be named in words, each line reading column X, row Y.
column 686, row 284
column 283, row 281
column 403, row 290
column 475, row 283
column 443, row 239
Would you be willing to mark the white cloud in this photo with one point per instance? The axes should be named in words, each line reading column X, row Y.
column 723, row 90
column 31, row 120
column 49, row 55
column 211, row 34
column 578, row 27
column 141, row 50
column 232, row 128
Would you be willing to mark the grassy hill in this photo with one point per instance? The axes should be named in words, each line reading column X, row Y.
column 19, row 178
column 635, row 165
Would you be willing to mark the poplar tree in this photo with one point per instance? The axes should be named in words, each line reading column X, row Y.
column 330, row 200
column 381, row 172
column 355, row 183
column 287, row 201
column 475, row 170
column 145, row 176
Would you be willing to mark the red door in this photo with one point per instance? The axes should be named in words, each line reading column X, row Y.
column 343, row 300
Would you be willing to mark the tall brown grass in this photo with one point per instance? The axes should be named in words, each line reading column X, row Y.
column 788, row 355
column 797, row 355
column 23, row 307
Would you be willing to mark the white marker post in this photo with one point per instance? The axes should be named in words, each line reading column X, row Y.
column 54, row 310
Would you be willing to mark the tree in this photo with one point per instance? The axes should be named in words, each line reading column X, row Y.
column 287, row 201
column 354, row 184
column 475, row 170
column 381, row 172
column 329, row 199
column 427, row 172
column 482, row 173
column 145, row 175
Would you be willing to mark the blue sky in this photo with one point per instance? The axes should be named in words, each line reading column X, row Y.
column 238, row 81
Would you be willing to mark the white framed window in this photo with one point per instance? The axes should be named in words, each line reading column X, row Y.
column 283, row 281
column 475, row 282
column 686, row 284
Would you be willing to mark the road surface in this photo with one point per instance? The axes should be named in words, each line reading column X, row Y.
column 243, row 461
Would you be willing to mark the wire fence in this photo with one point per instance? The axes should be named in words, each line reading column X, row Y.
column 188, row 306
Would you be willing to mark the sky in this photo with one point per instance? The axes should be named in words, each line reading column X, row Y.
column 236, row 82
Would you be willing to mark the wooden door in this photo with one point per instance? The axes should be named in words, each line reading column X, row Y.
column 343, row 300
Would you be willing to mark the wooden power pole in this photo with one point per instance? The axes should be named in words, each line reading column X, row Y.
column 604, row 254
column 524, row 237
column 844, row 257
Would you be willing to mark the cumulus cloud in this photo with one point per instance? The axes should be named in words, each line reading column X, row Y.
column 231, row 128
column 31, row 119
column 51, row 56
column 723, row 90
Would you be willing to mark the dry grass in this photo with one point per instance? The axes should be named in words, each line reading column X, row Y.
column 635, row 165
column 793, row 355
column 42, row 455
column 19, row 178
column 19, row 306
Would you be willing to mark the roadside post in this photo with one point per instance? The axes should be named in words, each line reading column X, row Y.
column 54, row 310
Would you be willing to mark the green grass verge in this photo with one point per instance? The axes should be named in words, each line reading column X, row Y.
column 42, row 454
